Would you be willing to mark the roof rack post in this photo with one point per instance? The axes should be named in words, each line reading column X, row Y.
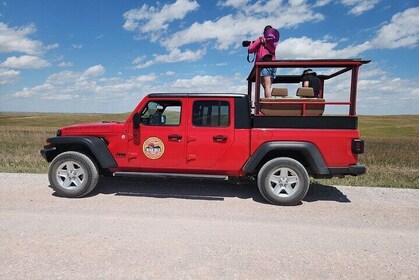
column 257, row 89
column 354, row 86
column 321, row 91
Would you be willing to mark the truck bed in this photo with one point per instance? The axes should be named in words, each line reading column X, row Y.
column 305, row 122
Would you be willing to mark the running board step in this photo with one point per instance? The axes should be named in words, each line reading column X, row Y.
column 149, row 174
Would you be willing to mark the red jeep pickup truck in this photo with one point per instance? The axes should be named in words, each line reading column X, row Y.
column 281, row 141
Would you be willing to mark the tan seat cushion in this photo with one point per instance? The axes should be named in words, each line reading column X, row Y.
column 276, row 107
column 305, row 92
column 280, row 92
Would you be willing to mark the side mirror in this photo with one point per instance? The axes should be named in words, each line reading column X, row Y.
column 136, row 120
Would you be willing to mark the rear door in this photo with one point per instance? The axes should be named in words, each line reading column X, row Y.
column 210, row 132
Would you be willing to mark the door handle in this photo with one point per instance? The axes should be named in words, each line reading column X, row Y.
column 175, row 137
column 191, row 138
column 190, row 157
column 219, row 138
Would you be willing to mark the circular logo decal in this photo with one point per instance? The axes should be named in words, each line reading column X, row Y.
column 153, row 148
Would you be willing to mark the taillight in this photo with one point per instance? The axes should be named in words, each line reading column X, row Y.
column 358, row 146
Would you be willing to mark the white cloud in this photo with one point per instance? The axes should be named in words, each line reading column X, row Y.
column 321, row 3
column 385, row 93
column 25, row 61
column 306, row 48
column 63, row 77
column 8, row 76
column 379, row 92
column 152, row 19
column 402, row 31
column 175, row 55
column 248, row 17
column 89, row 84
column 139, row 59
column 233, row 3
column 201, row 81
column 143, row 79
column 94, row 71
column 51, row 47
column 145, row 64
column 79, row 46
column 28, row 92
column 15, row 39
column 377, row 89
column 209, row 84
column 246, row 23
column 62, row 97
column 65, row 64
column 60, row 85
column 360, row 6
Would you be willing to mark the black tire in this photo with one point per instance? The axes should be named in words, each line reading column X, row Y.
column 73, row 174
column 283, row 181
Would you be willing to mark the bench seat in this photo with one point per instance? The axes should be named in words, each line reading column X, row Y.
column 281, row 106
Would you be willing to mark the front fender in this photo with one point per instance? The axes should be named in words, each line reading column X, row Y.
column 95, row 145
column 308, row 150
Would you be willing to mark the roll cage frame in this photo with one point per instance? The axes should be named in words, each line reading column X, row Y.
column 343, row 65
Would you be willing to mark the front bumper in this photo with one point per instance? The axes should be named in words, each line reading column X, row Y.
column 48, row 153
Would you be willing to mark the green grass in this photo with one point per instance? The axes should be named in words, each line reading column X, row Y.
column 390, row 126
column 391, row 152
column 54, row 120
column 23, row 135
column 390, row 161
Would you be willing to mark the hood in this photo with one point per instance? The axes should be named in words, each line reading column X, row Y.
column 92, row 129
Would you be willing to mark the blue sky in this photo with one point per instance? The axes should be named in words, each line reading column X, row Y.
column 104, row 55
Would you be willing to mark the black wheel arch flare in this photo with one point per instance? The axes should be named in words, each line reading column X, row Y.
column 97, row 146
column 309, row 151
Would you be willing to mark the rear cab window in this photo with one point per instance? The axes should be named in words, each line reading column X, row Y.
column 211, row 113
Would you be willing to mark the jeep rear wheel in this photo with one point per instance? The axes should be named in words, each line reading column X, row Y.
column 73, row 174
column 283, row 181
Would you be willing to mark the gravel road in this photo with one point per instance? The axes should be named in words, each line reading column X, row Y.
column 190, row 229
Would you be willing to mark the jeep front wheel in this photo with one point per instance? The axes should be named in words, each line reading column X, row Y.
column 283, row 181
column 73, row 174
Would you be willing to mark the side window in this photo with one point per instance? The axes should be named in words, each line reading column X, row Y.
column 211, row 113
column 161, row 113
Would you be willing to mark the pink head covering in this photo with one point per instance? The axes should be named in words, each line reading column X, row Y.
column 272, row 36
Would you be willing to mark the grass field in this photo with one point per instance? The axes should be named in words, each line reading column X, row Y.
column 392, row 146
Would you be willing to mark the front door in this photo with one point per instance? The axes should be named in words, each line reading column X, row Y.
column 159, row 142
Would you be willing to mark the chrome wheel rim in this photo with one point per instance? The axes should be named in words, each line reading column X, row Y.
column 70, row 175
column 284, row 182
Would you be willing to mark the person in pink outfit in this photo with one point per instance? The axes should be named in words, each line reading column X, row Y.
column 264, row 48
